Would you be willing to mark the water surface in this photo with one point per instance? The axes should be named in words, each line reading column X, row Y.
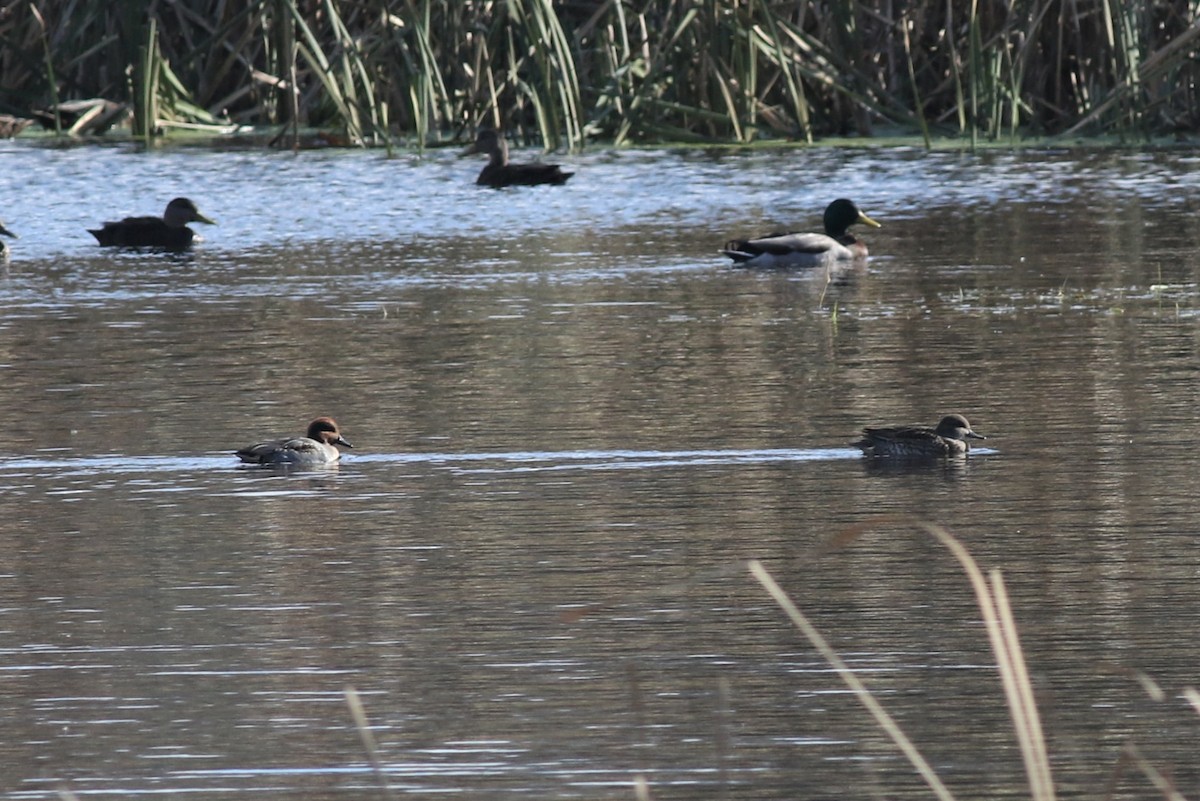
column 564, row 399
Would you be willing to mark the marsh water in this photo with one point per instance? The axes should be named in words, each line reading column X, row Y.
column 573, row 422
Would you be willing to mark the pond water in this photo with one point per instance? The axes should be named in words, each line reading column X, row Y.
column 573, row 424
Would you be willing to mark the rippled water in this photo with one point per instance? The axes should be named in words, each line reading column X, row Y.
column 573, row 423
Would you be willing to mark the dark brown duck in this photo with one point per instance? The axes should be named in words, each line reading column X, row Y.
column 4, row 245
column 169, row 231
column 499, row 172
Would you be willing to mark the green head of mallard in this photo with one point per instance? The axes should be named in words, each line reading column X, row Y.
column 841, row 214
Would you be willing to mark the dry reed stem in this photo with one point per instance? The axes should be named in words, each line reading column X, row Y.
column 363, row 725
column 885, row 721
column 1193, row 698
column 992, row 599
column 1161, row 783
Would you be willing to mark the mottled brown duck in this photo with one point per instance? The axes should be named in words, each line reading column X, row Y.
column 315, row 448
column 950, row 438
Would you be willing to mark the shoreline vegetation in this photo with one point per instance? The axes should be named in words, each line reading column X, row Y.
column 418, row 73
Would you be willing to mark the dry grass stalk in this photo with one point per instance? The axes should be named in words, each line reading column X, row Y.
column 992, row 599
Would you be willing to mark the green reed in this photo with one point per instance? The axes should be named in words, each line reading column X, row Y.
column 146, row 84
column 51, row 81
column 620, row 70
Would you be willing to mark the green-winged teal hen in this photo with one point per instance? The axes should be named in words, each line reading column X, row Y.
column 948, row 439
column 499, row 172
column 315, row 448
column 806, row 250
column 169, row 231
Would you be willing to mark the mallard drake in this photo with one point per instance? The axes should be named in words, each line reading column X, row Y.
column 168, row 231
column 499, row 172
column 806, row 250
column 4, row 245
column 948, row 439
column 316, row 447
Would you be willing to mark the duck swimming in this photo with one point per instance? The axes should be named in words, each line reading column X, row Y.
column 168, row 231
column 315, row 448
column 4, row 245
column 499, row 173
column 948, row 439
column 806, row 250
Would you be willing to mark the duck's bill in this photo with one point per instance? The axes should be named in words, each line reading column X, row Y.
column 201, row 218
column 865, row 220
column 973, row 435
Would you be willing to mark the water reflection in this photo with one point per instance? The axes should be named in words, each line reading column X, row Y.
column 459, row 462
column 566, row 401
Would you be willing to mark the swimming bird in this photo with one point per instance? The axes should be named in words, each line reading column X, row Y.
column 315, row 448
column 169, row 231
column 948, row 439
column 806, row 250
column 3, row 244
column 499, row 172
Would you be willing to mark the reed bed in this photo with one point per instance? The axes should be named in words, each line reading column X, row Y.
column 369, row 71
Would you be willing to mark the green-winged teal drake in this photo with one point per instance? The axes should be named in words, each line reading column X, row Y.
column 948, row 439
column 806, row 250
column 168, row 231
column 4, row 245
column 499, row 173
column 315, row 448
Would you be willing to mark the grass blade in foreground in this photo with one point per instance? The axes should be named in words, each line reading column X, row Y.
column 885, row 721
column 1002, row 632
column 368, row 740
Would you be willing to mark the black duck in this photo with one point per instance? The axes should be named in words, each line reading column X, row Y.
column 499, row 172
column 169, row 231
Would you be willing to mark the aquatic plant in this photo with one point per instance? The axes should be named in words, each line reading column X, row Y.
column 702, row 71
